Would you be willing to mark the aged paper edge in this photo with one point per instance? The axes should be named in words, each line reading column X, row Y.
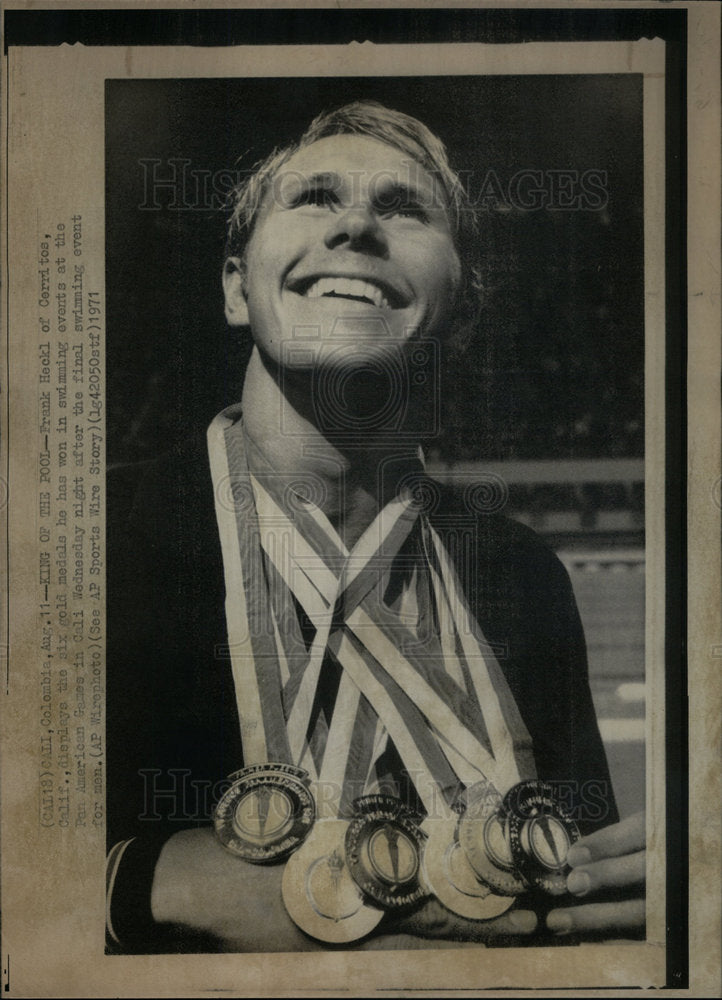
column 703, row 358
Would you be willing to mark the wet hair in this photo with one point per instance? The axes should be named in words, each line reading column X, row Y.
column 410, row 136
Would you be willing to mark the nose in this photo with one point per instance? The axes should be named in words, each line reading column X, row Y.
column 357, row 229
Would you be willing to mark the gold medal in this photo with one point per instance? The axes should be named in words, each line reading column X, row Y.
column 383, row 851
column 540, row 834
column 319, row 893
column 484, row 836
column 451, row 878
column 266, row 813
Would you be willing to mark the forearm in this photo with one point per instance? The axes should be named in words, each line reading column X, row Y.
column 200, row 887
column 202, row 892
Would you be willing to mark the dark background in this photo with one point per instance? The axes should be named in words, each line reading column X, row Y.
column 556, row 370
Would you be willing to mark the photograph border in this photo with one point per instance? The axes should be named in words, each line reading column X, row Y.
column 607, row 22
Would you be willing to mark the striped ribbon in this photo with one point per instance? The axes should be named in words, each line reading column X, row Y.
column 441, row 697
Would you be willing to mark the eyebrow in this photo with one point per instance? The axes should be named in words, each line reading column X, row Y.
column 321, row 177
column 390, row 192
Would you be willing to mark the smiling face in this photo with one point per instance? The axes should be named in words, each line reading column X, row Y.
column 352, row 255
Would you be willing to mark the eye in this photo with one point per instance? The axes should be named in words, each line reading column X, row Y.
column 411, row 212
column 402, row 206
column 316, row 197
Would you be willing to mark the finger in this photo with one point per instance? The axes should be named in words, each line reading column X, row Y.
column 611, row 842
column 514, row 923
column 434, row 920
column 629, row 870
column 627, row 915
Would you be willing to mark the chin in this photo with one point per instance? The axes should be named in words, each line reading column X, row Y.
column 361, row 355
column 363, row 386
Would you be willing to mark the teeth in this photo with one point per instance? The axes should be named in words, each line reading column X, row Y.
column 348, row 288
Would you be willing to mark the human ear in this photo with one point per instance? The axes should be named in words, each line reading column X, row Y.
column 234, row 290
column 466, row 316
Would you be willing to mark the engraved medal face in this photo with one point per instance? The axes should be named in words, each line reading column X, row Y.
column 329, row 890
column 383, row 847
column 319, row 893
column 391, row 855
column 547, row 840
column 266, row 813
column 495, row 837
column 540, row 834
column 263, row 812
column 451, row 878
column 484, row 836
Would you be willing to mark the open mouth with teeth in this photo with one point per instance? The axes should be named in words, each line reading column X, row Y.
column 352, row 289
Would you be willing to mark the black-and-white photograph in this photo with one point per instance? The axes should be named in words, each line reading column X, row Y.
column 362, row 490
column 376, row 564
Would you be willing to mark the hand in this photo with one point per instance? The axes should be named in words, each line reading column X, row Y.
column 433, row 920
column 200, row 887
column 606, row 864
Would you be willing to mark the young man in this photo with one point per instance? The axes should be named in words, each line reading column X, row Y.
column 383, row 640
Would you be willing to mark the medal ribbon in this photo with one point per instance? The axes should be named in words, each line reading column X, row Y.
column 259, row 657
column 251, row 640
column 510, row 740
column 382, row 669
column 326, row 598
column 354, row 598
column 425, row 762
column 324, row 594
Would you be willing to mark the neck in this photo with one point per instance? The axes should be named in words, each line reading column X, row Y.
column 356, row 477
